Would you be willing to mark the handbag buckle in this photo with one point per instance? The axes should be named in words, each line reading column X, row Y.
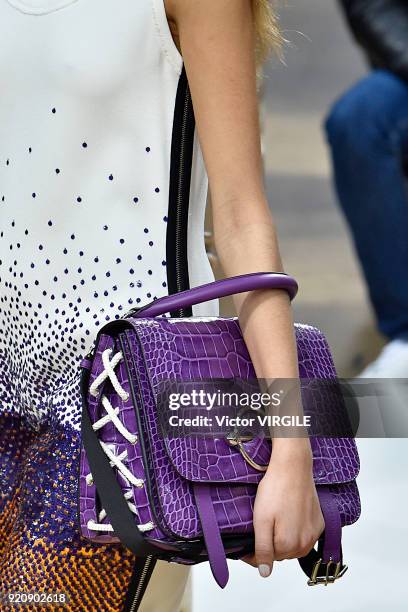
column 328, row 578
column 235, row 439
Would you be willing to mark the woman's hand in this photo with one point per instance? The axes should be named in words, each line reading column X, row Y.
column 287, row 516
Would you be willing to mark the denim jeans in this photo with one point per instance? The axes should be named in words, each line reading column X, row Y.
column 367, row 130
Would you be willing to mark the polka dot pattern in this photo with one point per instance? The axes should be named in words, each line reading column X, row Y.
column 67, row 270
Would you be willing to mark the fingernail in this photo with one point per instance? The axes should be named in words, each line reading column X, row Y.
column 264, row 570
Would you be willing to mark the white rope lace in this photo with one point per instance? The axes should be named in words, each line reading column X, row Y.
column 112, row 417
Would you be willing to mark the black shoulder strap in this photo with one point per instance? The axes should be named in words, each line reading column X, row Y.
column 179, row 192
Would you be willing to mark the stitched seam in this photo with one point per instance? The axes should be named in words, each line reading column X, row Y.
column 163, row 42
column 38, row 11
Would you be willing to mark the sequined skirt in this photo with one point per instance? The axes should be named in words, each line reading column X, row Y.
column 43, row 558
column 42, row 553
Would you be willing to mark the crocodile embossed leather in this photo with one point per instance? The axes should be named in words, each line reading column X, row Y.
column 191, row 500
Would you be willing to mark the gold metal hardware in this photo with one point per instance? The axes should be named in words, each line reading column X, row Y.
column 234, row 439
column 328, row 578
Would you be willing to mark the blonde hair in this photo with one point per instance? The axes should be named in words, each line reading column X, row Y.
column 268, row 35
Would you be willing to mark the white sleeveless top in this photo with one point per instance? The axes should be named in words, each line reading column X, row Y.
column 87, row 100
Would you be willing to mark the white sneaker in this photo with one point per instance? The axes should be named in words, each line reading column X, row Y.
column 392, row 362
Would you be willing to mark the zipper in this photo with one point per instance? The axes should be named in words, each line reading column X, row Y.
column 141, row 582
column 179, row 193
column 137, row 394
column 179, row 226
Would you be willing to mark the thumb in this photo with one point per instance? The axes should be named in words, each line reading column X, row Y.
column 264, row 550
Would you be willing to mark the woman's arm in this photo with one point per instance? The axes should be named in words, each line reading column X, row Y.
column 216, row 38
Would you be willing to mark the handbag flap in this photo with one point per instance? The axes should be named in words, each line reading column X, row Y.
column 198, row 459
column 204, row 347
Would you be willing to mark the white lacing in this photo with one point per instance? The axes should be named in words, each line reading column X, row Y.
column 112, row 417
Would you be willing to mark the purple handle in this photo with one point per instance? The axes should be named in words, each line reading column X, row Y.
column 218, row 289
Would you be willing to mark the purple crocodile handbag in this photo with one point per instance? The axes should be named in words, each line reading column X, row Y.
column 188, row 500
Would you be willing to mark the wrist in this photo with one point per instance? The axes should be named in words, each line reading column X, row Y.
column 295, row 451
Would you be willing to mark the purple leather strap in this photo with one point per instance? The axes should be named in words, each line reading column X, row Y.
column 211, row 532
column 332, row 531
column 329, row 544
column 218, row 289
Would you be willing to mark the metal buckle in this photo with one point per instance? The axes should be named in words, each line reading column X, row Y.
column 234, row 439
column 339, row 571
